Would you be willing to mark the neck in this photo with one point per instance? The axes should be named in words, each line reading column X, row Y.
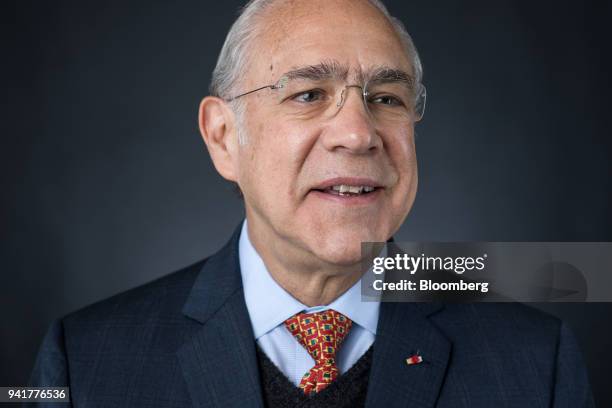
column 311, row 281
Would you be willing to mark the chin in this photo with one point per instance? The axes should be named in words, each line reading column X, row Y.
column 342, row 246
column 341, row 256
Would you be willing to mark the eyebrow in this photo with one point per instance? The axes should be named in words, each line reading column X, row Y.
column 332, row 69
column 386, row 74
column 327, row 69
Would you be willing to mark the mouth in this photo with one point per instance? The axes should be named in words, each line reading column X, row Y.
column 349, row 188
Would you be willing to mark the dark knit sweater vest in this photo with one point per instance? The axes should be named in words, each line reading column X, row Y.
column 348, row 390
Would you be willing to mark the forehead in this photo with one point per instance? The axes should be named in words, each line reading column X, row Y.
column 301, row 33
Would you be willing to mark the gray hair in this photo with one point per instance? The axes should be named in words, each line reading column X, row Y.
column 235, row 51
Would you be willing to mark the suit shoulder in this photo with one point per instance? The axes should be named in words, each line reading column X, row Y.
column 164, row 295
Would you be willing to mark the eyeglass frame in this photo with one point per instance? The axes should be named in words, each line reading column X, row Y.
column 284, row 79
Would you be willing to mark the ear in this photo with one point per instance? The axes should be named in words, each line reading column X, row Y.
column 217, row 126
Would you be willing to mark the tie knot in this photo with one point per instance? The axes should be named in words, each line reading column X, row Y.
column 321, row 333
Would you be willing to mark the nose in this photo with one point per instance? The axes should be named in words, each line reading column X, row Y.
column 351, row 128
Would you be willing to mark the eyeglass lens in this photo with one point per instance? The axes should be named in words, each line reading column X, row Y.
column 386, row 102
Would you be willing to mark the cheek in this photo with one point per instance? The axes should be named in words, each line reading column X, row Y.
column 271, row 161
column 403, row 156
column 400, row 148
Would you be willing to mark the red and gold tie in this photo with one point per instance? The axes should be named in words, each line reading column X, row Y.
column 321, row 334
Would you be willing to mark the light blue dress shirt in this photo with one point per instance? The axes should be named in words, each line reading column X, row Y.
column 269, row 305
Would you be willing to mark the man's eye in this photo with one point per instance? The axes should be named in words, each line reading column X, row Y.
column 386, row 100
column 308, row 96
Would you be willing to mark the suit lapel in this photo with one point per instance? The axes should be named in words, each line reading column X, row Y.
column 218, row 359
column 404, row 329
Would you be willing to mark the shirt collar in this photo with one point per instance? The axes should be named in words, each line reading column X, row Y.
column 269, row 305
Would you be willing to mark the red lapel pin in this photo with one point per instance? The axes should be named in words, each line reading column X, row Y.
column 414, row 359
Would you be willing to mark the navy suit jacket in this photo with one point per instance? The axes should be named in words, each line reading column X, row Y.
column 185, row 340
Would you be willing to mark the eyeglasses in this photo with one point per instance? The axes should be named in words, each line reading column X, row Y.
column 388, row 102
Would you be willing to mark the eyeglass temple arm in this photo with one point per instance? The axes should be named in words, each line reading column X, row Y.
column 280, row 84
column 254, row 90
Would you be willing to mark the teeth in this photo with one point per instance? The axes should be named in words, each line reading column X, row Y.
column 343, row 188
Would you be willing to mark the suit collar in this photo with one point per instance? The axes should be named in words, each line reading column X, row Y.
column 219, row 358
column 218, row 279
column 404, row 330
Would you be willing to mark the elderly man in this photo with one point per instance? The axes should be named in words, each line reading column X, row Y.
column 312, row 115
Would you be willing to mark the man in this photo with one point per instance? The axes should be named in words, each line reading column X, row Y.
column 312, row 116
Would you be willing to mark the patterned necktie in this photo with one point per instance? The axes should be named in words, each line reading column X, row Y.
column 321, row 334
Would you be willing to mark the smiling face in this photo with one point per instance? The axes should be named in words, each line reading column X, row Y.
column 318, row 185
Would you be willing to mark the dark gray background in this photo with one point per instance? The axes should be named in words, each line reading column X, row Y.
column 106, row 183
